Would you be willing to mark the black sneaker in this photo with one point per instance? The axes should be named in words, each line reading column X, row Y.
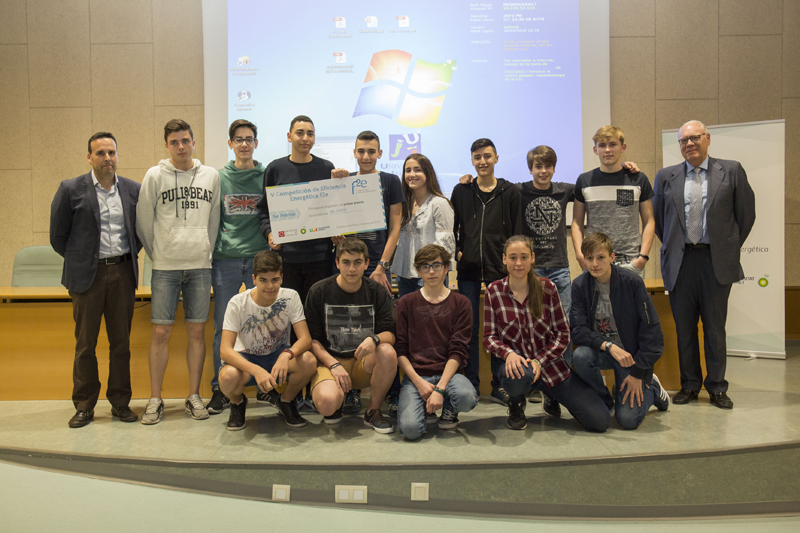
column 535, row 396
column 516, row 415
column 499, row 395
column 448, row 420
column 551, row 407
column 660, row 396
column 263, row 398
column 352, row 402
column 236, row 419
column 270, row 398
column 290, row 414
column 219, row 402
column 392, row 400
column 375, row 420
column 335, row 418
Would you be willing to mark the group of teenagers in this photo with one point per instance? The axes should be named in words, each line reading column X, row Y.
column 317, row 324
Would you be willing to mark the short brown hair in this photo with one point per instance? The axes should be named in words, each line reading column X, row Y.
column 430, row 253
column 242, row 123
column 608, row 133
column 267, row 261
column 542, row 154
column 595, row 241
column 352, row 245
column 176, row 125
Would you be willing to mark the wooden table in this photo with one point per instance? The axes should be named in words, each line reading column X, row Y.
column 37, row 346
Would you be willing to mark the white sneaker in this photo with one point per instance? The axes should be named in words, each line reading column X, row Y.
column 195, row 408
column 153, row 412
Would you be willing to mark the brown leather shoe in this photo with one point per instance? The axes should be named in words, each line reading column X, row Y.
column 684, row 396
column 124, row 413
column 81, row 418
column 721, row 400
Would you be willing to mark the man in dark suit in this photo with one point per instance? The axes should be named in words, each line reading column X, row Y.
column 93, row 225
column 704, row 210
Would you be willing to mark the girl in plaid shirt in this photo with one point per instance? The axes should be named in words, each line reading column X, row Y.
column 525, row 326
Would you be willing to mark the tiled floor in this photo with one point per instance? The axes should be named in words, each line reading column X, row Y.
column 766, row 395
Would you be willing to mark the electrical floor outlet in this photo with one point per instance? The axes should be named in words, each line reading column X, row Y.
column 281, row 493
column 351, row 494
column 419, row 492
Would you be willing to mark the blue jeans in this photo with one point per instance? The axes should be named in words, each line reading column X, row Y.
column 167, row 287
column 560, row 276
column 227, row 276
column 408, row 285
column 459, row 397
column 472, row 290
column 588, row 364
column 580, row 399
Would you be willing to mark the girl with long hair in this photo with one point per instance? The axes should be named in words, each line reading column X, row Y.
column 427, row 219
column 525, row 326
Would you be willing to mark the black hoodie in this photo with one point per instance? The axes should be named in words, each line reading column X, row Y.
column 481, row 228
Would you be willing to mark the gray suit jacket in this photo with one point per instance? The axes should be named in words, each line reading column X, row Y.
column 730, row 214
column 75, row 228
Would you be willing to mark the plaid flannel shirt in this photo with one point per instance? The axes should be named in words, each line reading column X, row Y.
column 508, row 327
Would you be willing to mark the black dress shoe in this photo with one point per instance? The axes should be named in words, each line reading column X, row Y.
column 124, row 413
column 721, row 400
column 81, row 418
column 684, row 396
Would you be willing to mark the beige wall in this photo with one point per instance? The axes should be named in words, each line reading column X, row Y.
column 69, row 68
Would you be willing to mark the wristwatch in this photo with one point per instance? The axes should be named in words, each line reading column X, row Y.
column 376, row 340
column 385, row 264
column 609, row 344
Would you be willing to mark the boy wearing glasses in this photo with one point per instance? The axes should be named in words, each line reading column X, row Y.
column 239, row 238
column 434, row 327
column 177, row 218
column 352, row 331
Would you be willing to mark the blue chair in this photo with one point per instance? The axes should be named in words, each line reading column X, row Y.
column 37, row 266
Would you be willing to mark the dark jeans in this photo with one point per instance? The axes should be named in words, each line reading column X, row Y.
column 472, row 290
column 301, row 276
column 407, row 285
column 580, row 399
column 588, row 364
column 111, row 295
column 697, row 294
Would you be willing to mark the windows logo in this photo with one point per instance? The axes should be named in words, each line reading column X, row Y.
column 413, row 94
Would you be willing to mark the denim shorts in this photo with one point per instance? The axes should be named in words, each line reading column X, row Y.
column 168, row 285
column 264, row 361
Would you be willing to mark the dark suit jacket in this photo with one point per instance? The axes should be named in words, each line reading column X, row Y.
column 730, row 214
column 75, row 228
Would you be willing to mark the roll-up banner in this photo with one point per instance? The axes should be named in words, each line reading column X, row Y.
column 756, row 324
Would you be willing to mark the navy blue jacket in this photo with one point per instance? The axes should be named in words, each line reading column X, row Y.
column 75, row 228
column 637, row 321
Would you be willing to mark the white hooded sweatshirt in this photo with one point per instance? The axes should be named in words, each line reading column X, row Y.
column 177, row 216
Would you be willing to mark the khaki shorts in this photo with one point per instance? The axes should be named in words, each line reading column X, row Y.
column 354, row 367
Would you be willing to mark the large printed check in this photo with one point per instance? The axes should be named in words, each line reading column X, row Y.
column 326, row 208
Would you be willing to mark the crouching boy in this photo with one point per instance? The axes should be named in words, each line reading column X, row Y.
column 616, row 325
column 255, row 344
column 434, row 326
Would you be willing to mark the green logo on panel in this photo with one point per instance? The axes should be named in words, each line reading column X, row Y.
column 763, row 282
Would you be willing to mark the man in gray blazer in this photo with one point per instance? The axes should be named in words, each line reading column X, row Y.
column 704, row 211
column 93, row 226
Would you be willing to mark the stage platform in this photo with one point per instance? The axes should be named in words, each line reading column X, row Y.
column 691, row 461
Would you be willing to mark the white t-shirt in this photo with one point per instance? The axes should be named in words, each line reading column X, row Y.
column 262, row 330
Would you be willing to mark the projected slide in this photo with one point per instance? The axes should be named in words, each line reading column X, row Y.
column 427, row 76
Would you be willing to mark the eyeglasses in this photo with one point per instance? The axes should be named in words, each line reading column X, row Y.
column 694, row 138
column 238, row 141
column 427, row 268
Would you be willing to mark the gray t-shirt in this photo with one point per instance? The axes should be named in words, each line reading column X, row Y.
column 544, row 214
column 604, row 322
column 612, row 206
